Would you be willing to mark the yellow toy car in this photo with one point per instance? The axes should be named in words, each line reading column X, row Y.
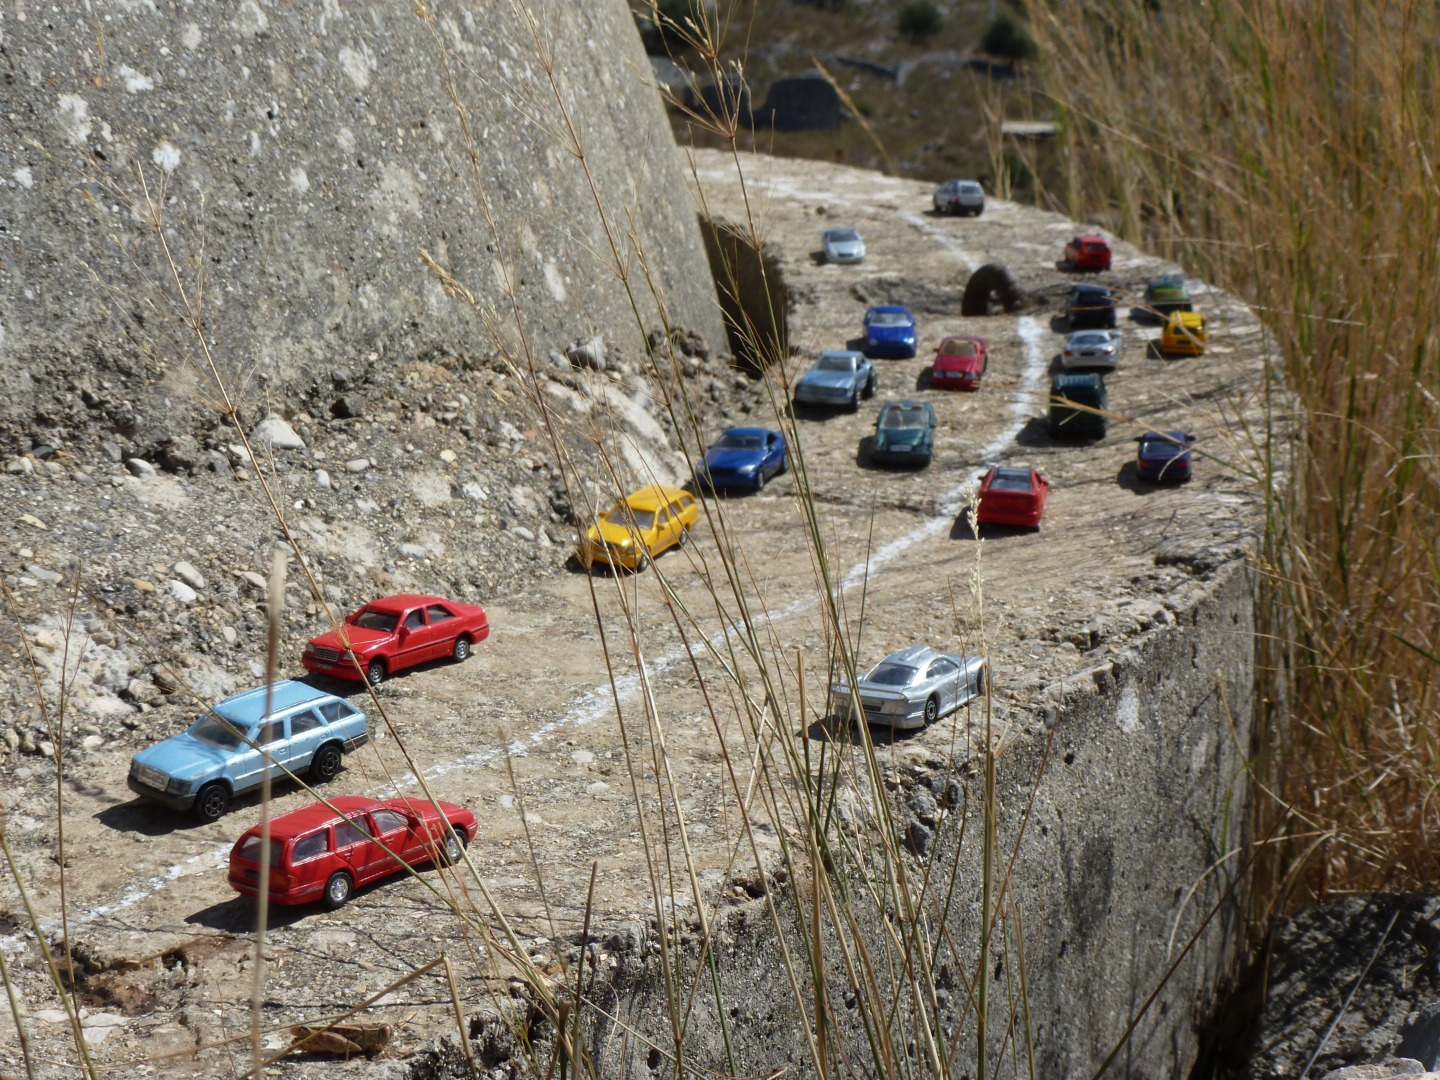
column 639, row 527
column 1184, row 334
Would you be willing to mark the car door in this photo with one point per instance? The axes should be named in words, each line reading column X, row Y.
column 664, row 529
column 944, row 674
column 444, row 629
column 354, row 849
column 413, row 635
column 307, row 730
column 398, row 839
column 274, row 742
column 264, row 743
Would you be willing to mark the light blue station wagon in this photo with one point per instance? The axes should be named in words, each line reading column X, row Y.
column 226, row 751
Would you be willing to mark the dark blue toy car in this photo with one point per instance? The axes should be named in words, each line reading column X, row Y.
column 1164, row 456
column 889, row 331
column 743, row 457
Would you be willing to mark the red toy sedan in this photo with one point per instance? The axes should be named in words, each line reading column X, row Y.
column 960, row 363
column 1088, row 252
column 319, row 854
column 1011, row 496
column 397, row 632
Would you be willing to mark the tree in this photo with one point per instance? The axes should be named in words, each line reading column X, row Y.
column 919, row 20
column 1008, row 38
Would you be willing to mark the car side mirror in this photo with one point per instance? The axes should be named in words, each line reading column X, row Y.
column 403, row 633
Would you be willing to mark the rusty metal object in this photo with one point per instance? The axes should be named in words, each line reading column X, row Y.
column 340, row 1040
column 991, row 280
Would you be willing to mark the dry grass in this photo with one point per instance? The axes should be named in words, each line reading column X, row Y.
column 1287, row 153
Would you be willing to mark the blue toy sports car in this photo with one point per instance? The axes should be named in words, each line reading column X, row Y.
column 889, row 331
column 743, row 457
column 839, row 377
column 1164, row 455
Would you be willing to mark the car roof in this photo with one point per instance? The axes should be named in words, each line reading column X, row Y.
column 1088, row 287
column 1089, row 238
column 962, row 337
column 878, row 309
column 248, row 707
column 1014, row 472
column 1187, row 318
column 308, row 818
column 907, row 404
column 652, row 497
column 1086, row 378
column 748, row 431
column 1170, row 437
column 852, row 354
column 400, row 601
column 910, row 655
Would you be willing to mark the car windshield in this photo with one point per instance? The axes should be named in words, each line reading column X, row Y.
column 887, row 674
column 836, row 363
column 212, row 729
column 888, row 318
column 1090, row 339
column 732, row 441
column 1095, row 245
column 621, row 514
column 842, row 236
column 970, row 189
column 371, row 619
column 1010, row 480
column 912, row 417
column 959, row 348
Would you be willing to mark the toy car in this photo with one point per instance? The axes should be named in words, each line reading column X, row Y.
column 905, row 433
column 287, row 728
column 1077, row 406
column 911, row 688
column 1184, row 334
column 1092, row 349
column 639, row 527
column 1167, row 294
column 839, row 377
column 1164, row 456
column 395, row 632
column 1012, row 496
column 743, row 457
column 889, row 331
column 960, row 363
column 959, row 197
column 842, row 246
column 325, row 853
column 1090, row 307
column 1089, row 251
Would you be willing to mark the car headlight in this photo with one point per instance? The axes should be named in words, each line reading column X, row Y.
column 177, row 786
column 628, row 542
column 748, row 468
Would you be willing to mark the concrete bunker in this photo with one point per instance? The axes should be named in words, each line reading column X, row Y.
column 754, row 299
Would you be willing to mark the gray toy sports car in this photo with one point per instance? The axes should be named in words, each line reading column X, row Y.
column 912, row 688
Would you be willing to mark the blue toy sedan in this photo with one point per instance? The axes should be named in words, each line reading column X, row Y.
column 840, row 377
column 1164, row 455
column 889, row 331
column 289, row 728
column 743, row 457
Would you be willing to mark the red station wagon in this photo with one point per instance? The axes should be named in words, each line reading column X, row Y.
column 319, row 854
column 1012, row 496
column 397, row 632
column 960, row 363
column 1090, row 252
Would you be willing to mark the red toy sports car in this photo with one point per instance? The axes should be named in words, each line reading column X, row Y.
column 960, row 363
column 397, row 632
column 1012, row 496
column 319, row 854
column 1088, row 252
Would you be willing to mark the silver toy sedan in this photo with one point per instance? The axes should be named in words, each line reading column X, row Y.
column 1092, row 349
column 912, row 688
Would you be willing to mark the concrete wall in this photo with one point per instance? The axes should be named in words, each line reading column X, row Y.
column 1143, row 793
column 304, row 154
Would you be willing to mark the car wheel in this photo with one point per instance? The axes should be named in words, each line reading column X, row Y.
column 870, row 387
column 376, row 672
column 760, row 479
column 325, row 765
column 854, row 405
column 932, row 710
column 784, row 464
column 980, row 682
column 338, row 890
column 452, row 850
column 643, row 562
column 212, row 802
column 461, row 651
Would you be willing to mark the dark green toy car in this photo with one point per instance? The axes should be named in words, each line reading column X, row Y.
column 1077, row 406
column 904, row 433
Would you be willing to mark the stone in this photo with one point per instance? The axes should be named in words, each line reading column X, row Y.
column 250, row 577
column 322, row 479
column 21, row 465
column 188, row 574
column 275, row 431
column 448, row 456
column 922, row 805
column 92, row 742
column 39, row 573
column 182, row 592
column 523, row 533
column 1420, row 1037
column 599, row 787
column 46, row 748
column 414, row 551
column 140, row 468
column 33, row 522
column 588, row 354
column 357, row 465
column 918, row 837
column 140, row 585
column 346, row 407
column 230, row 634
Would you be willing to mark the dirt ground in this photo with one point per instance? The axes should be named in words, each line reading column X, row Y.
column 531, row 733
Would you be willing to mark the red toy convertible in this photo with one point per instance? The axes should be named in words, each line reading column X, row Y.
column 397, row 632
column 319, row 853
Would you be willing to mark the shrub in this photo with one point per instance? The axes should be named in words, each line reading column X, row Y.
column 1008, row 38
column 919, row 20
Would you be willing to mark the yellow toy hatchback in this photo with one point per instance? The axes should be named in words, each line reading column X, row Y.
column 1184, row 334
column 639, row 527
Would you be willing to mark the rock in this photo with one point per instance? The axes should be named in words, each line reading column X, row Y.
column 448, row 456
column 322, row 479
column 250, row 577
column 188, row 574
column 588, row 354
column 182, row 592
column 357, row 465
column 33, row 521
column 22, row 465
column 599, row 787
column 1420, row 1037
column 414, row 551
column 275, row 431
column 1385, row 1070
column 39, row 573
column 46, row 748
column 230, row 634
column 140, row 690
column 140, row 468
column 140, row 585
column 523, row 533
column 112, row 452
column 918, row 837
column 922, row 805
column 180, row 453
column 346, row 407
column 92, row 742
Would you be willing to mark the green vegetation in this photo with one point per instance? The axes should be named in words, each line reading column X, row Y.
column 1291, row 161
column 1008, row 38
column 919, row 21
